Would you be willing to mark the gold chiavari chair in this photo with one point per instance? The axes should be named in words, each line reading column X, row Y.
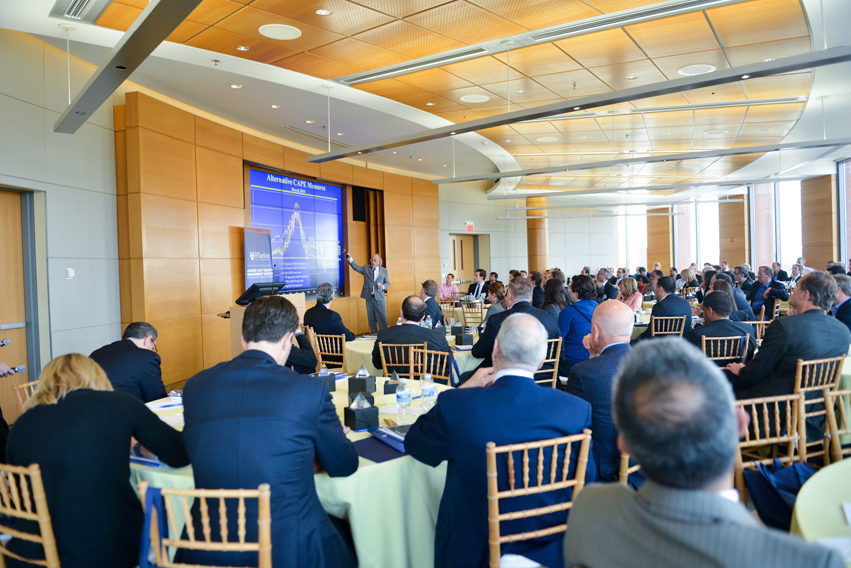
column 730, row 349
column 625, row 469
column 332, row 350
column 473, row 313
column 759, row 328
column 314, row 344
column 434, row 362
column 815, row 378
column 667, row 325
column 838, row 408
column 22, row 497
column 549, row 377
column 397, row 357
column 24, row 391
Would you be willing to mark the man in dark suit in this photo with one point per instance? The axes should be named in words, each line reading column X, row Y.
column 605, row 289
column 810, row 334
column 717, row 308
column 687, row 513
column 518, row 296
column 766, row 291
column 779, row 274
column 478, row 287
column 743, row 279
column 741, row 300
column 537, row 288
column 668, row 303
column 251, row 421
column 841, row 309
column 131, row 364
column 506, row 407
column 592, row 380
column 322, row 318
column 427, row 293
column 413, row 312
column 375, row 285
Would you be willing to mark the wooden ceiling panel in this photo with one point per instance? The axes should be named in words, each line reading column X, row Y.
column 537, row 14
column 409, row 39
column 365, row 54
column 221, row 41
column 247, row 21
column 585, row 140
column 539, row 60
column 494, row 101
column 674, row 35
column 346, row 18
column 660, row 135
column 669, row 119
column 539, row 128
column 402, row 8
column 716, row 94
column 620, row 122
column 482, row 70
column 788, row 85
column 758, row 21
column 418, row 99
column 470, row 113
column 316, row 66
column 765, row 129
column 671, row 64
column 141, row 4
column 465, row 22
column 756, row 52
column 617, row 5
column 185, row 31
column 573, row 84
column 210, row 12
column 522, row 91
column 672, row 99
column 118, row 16
column 718, row 116
column 631, row 74
column 748, row 141
column 434, row 80
column 770, row 113
column 389, row 88
column 576, row 125
column 602, row 48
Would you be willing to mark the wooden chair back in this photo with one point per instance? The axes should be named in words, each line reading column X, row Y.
column 310, row 334
column 688, row 292
column 626, row 469
column 730, row 349
column 179, row 501
column 817, row 376
column 776, row 423
column 331, row 350
column 397, row 357
column 24, row 391
column 434, row 362
column 667, row 325
column 22, row 497
column 838, row 407
column 447, row 307
column 549, row 377
column 554, row 479
column 775, row 312
column 759, row 330
column 473, row 312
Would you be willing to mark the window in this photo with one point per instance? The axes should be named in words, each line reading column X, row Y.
column 763, row 247
column 788, row 215
column 636, row 236
column 844, row 207
column 685, row 235
column 708, row 243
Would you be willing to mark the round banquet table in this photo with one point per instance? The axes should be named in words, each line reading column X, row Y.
column 818, row 508
column 359, row 352
column 391, row 506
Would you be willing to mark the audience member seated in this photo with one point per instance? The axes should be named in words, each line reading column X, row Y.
column 810, row 334
column 629, row 294
column 131, row 364
column 641, row 276
column 675, row 414
column 605, row 289
column 591, row 380
column 558, row 274
column 496, row 297
column 79, row 432
column 766, row 291
column 705, row 284
column 477, row 287
column 493, row 277
column 687, row 279
column 841, row 309
column 779, row 274
column 651, row 286
column 427, row 294
column 537, row 280
column 505, row 407
column 302, row 358
column 322, row 318
column 518, row 298
column 797, row 274
column 586, row 270
column 251, row 421
column 447, row 289
column 836, row 268
column 717, row 307
column 574, row 322
column 413, row 312
column 667, row 304
column 743, row 279
column 554, row 300
column 742, row 309
column 724, row 267
column 804, row 268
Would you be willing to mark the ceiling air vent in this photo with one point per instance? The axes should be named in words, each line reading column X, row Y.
column 86, row 11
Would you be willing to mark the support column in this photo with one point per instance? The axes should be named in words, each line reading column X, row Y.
column 537, row 246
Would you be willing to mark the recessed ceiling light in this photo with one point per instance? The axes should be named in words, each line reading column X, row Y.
column 276, row 106
column 430, row 104
column 520, row 91
column 394, row 151
column 585, row 138
column 475, row 98
column 235, row 86
column 341, row 134
column 279, row 31
column 452, row 134
column 508, row 140
column 242, row 48
column 696, row 69
column 546, row 139
column 419, row 159
column 576, row 108
column 715, row 132
column 746, row 76
column 444, row 165
column 631, row 77
column 309, row 121
column 323, row 12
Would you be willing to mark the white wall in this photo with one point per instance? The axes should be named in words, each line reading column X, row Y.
column 576, row 242
column 77, row 174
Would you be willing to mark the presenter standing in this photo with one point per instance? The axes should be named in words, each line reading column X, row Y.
column 375, row 284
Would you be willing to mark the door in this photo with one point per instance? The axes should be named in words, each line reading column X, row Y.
column 463, row 257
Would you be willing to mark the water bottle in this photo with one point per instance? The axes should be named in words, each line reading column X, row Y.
column 428, row 392
column 399, row 320
column 403, row 401
column 428, row 322
column 323, row 372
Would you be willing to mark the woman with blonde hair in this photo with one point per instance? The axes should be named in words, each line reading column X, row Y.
column 79, row 431
column 629, row 293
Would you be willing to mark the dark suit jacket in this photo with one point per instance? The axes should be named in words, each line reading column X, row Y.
column 131, row 369
column 538, row 296
column 471, row 289
column 457, row 429
column 777, row 292
column 610, row 291
column 408, row 333
column 843, row 314
column 302, row 358
column 782, row 276
column 723, row 328
column 433, row 310
column 325, row 321
column 484, row 346
column 591, row 380
column 671, row 305
column 810, row 335
column 745, row 286
column 250, row 421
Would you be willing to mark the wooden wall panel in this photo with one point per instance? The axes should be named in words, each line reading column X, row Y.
column 261, row 151
column 364, row 177
column 137, row 290
column 296, row 161
column 166, row 165
column 397, row 209
column 11, row 252
column 396, row 183
column 537, row 235
column 119, row 123
column 171, row 288
column 659, row 240
column 219, row 177
column 734, row 232
column 819, row 221
column 348, row 308
column 426, row 241
column 216, row 136
column 123, row 226
column 169, row 227
column 216, row 344
column 400, row 254
column 336, row 171
column 153, row 114
column 220, row 231
column 179, row 343
column 125, row 289
column 219, row 287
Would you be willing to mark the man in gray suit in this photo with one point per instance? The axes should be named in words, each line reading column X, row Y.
column 375, row 285
column 675, row 414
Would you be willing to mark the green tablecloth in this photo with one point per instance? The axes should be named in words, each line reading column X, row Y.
column 391, row 507
column 818, row 509
column 359, row 352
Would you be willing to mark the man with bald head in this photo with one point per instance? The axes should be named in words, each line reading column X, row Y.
column 413, row 312
column 591, row 380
